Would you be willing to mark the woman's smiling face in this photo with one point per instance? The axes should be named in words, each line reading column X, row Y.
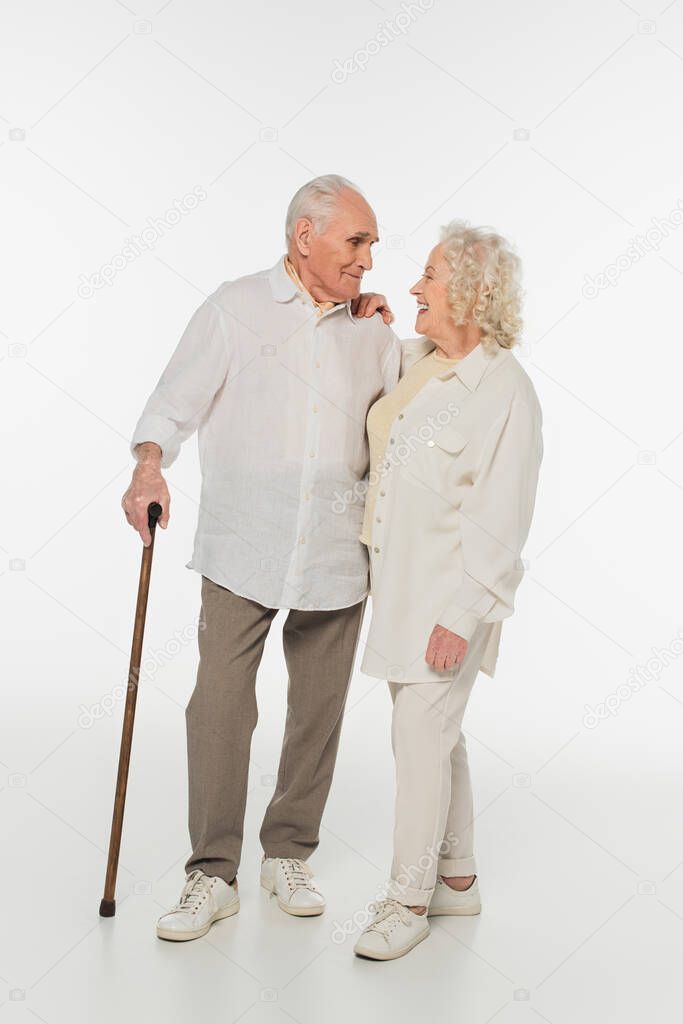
column 434, row 316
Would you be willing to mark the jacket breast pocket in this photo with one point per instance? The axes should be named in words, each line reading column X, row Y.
column 448, row 439
column 434, row 465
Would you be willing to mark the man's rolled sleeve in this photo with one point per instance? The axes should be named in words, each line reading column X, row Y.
column 495, row 518
column 187, row 386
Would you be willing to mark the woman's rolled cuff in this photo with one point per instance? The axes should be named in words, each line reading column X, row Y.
column 408, row 895
column 457, row 867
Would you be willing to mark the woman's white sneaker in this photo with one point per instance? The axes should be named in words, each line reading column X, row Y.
column 204, row 899
column 447, row 901
column 393, row 932
column 291, row 880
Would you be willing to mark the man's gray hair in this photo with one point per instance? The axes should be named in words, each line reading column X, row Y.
column 316, row 200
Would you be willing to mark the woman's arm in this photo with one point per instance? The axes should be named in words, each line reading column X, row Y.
column 495, row 518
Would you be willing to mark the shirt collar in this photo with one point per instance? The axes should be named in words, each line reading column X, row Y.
column 284, row 289
column 468, row 370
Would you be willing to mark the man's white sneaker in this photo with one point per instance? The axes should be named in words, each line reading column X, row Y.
column 449, row 901
column 394, row 931
column 291, row 880
column 204, row 899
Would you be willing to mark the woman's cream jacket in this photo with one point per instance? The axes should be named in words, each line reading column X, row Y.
column 454, row 505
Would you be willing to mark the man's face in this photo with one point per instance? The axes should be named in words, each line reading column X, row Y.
column 332, row 264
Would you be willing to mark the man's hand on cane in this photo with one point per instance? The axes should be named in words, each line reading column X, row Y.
column 147, row 485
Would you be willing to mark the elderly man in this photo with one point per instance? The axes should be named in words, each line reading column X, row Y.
column 277, row 375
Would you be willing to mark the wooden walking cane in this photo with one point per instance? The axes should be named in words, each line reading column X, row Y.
column 108, row 904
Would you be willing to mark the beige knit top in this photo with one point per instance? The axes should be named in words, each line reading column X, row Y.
column 381, row 416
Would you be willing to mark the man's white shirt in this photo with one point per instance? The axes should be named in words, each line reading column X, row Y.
column 279, row 396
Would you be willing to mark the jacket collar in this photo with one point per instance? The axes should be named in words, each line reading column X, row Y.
column 284, row 289
column 469, row 370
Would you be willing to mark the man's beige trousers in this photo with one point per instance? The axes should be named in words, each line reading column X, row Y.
column 319, row 648
column 433, row 824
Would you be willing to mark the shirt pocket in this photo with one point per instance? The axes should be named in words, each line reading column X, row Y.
column 449, row 440
column 434, row 466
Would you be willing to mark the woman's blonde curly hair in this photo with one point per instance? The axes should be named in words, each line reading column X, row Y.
column 485, row 283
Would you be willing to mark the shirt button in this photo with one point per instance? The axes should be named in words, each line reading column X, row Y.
column 317, row 365
column 378, row 519
column 430, row 444
column 392, row 441
column 376, row 549
column 302, row 540
column 315, row 408
column 400, row 415
column 311, row 455
column 382, row 493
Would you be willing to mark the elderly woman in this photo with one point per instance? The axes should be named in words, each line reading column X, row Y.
column 455, row 453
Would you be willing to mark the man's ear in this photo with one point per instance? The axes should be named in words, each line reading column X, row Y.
column 302, row 235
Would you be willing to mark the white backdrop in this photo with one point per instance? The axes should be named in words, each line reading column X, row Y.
column 558, row 125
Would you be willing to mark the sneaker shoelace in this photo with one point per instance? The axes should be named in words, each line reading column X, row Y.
column 388, row 914
column 297, row 873
column 195, row 891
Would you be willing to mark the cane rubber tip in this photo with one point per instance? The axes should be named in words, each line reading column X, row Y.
column 107, row 908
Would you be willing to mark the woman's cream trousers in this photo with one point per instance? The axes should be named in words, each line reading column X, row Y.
column 433, row 831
